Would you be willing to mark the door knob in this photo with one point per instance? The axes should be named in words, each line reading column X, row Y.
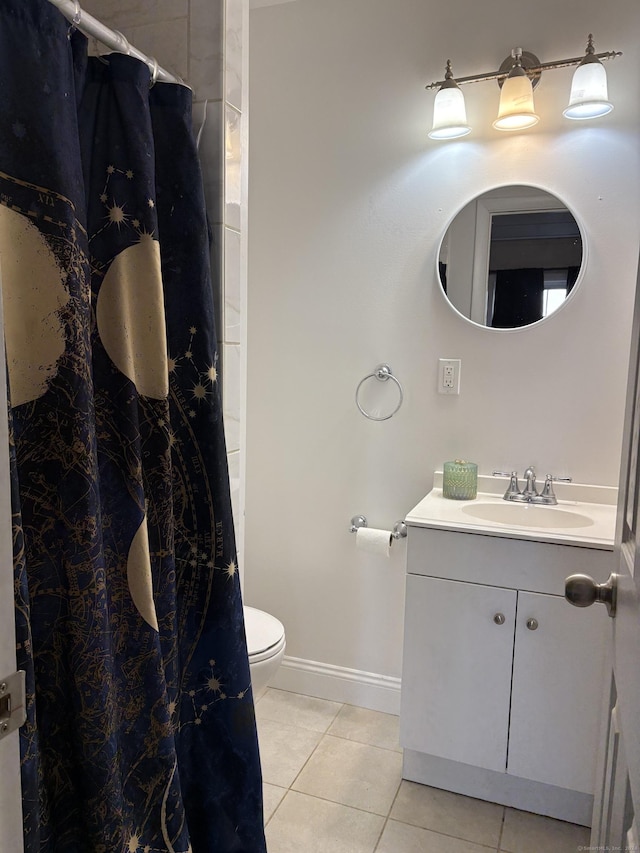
column 583, row 591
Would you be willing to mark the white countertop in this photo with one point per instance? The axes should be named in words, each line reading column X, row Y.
column 598, row 503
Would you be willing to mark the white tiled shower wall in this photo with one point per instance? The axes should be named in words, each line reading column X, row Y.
column 204, row 42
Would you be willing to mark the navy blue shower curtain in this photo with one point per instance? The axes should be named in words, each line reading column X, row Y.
column 518, row 298
column 141, row 730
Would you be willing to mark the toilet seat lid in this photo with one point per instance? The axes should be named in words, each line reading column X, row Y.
column 262, row 629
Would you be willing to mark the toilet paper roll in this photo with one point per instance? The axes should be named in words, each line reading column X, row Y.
column 374, row 541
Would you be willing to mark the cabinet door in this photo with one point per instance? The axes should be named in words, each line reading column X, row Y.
column 456, row 676
column 557, row 684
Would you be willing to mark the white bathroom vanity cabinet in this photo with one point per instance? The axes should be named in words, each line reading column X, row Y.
column 502, row 677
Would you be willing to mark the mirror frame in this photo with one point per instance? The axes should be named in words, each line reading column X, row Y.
column 480, row 267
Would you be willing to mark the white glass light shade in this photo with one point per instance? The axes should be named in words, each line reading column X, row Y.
column 589, row 97
column 516, row 103
column 449, row 114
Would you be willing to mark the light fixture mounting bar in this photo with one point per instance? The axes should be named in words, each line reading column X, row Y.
column 531, row 71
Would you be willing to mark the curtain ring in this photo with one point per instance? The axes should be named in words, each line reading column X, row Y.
column 126, row 47
column 100, row 56
column 154, row 72
column 75, row 21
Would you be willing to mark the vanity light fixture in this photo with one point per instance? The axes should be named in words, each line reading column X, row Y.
column 589, row 98
column 449, row 113
column 516, row 98
column 517, row 77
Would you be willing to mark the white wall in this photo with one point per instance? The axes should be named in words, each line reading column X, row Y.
column 348, row 200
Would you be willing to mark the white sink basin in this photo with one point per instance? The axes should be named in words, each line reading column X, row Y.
column 585, row 515
column 527, row 515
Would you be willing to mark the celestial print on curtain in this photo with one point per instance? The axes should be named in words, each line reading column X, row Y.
column 141, row 731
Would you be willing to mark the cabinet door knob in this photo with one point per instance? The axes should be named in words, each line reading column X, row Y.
column 532, row 624
column 499, row 619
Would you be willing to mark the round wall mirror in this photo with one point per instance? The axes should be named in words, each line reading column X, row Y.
column 511, row 257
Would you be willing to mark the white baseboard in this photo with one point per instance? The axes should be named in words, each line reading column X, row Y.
column 339, row 684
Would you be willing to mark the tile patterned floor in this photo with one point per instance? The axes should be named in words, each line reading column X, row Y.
column 332, row 784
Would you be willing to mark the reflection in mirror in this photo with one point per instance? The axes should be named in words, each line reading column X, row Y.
column 510, row 257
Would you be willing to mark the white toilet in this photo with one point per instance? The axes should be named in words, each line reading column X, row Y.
column 265, row 644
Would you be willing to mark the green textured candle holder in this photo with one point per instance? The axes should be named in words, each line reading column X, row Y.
column 460, row 480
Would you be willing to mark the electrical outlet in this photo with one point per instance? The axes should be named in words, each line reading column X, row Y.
column 449, row 375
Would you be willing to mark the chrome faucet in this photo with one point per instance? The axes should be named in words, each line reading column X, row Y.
column 529, row 493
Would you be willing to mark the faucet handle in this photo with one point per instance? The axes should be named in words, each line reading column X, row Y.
column 547, row 489
column 550, row 480
column 513, row 488
column 547, row 494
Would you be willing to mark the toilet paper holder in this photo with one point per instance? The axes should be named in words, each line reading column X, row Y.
column 399, row 530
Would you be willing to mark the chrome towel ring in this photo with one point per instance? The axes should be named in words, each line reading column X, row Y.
column 382, row 373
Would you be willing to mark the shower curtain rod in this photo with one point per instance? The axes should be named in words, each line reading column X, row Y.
column 112, row 39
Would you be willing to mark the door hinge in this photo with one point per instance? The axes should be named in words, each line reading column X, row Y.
column 13, row 705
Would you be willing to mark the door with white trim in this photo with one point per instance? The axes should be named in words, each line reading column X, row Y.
column 616, row 818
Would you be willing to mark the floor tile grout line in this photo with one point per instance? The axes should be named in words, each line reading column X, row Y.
column 504, row 818
column 337, row 713
column 434, row 832
column 363, row 743
column 268, row 820
column 388, row 817
column 333, row 734
column 309, row 757
column 338, row 803
column 384, row 826
column 294, row 726
column 304, row 728
column 289, row 787
column 444, row 834
column 393, row 802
